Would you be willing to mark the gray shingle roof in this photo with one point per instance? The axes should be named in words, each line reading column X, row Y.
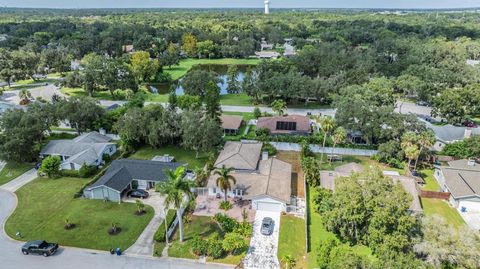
column 92, row 137
column 122, row 172
column 461, row 179
column 449, row 133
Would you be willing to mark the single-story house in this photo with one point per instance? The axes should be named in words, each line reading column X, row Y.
column 286, row 125
column 126, row 174
column 263, row 180
column 461, row 178
column 327, row 181
column 231, row 124
column 447, row 134
column 86, row 149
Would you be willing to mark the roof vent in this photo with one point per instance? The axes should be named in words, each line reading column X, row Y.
column 264, row 155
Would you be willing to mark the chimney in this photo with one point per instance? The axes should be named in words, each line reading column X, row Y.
column 264, row 155
column 468, row 133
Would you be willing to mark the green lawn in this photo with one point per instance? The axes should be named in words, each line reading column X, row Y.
column 176, row 72
column 12, row 170
column 442, row 208
column 318, row 233
column 100, row 95
column 292, row 240
column 235, row 100
column 44, row 204
column 203, row 227
column 431, row 183
column 345, row 160
column 180, row 154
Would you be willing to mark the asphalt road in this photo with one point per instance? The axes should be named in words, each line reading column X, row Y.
column 73, row 258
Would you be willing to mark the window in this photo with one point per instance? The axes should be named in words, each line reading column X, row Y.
column 288, row 126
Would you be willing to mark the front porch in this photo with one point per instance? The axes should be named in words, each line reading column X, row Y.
column 209, row 206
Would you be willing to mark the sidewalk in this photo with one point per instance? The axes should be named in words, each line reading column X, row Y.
column 20, row 181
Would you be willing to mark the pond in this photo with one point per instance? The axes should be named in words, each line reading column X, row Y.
column 221, row 70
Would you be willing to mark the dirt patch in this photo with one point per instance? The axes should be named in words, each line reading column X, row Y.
column 293, row 158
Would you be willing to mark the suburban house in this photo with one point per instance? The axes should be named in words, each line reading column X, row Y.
column 267, row 54
column 231, row 124
column 461, row 178
column 328, row 178
column 263, row 180
column 86, row 149
column 286, row 125
column 126, row 174
column 446, row 134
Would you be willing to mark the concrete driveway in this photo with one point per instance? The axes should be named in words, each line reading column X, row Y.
column 472, row 219
column 76, row 258
column 263, row 250
column 144, row 244
column 46, row 92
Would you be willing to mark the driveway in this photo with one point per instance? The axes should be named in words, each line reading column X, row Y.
column 144, row 244
column 23, row 179
column 46, row 92
column 472, row 219
column 76, row 258
column 262, row 253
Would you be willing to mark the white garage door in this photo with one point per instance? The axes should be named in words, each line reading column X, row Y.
column 266, row 206
column 470, row 206
column 142, row 184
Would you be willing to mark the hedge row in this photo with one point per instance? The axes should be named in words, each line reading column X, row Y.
column 160, row 233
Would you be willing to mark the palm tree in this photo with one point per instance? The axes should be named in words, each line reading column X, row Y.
column 24, row 94
column 425, row 140
column 409, row 146
column 339, row 136
column 326, row 124
column 175, row 189
column 279, row 107
column 223, row 181
column 289, row 261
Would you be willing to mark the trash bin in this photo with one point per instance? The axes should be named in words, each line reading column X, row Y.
column 118, row 251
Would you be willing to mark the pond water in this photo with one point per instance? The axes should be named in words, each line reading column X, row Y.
column 221, row 70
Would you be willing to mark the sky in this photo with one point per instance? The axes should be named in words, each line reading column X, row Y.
column 241, row 3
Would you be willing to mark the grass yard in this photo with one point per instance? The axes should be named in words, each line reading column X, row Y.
column 176, row 72
column 292, row 240
column 180, row 154
column 345, row 159
column 318, row 233
column 431, row 183
column 100, row 95
column 235, row 100
column 442, row 208
column 12, row 170
column 44, row 204
column 203, row 227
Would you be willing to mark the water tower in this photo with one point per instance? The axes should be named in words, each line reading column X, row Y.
column 267, row 6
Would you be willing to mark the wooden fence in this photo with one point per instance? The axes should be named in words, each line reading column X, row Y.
column 435, row 194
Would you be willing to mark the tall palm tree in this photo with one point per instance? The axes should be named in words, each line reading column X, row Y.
column 224, row 179
column 425, row 140
column 326, row 124
column 409, row 146
column 175, row 189
column 339, row 136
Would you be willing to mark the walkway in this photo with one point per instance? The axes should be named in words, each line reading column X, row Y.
column 75, row 258
column 319, row 149
column 144, row 244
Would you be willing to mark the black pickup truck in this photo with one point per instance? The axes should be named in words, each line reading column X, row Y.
column 39, row 247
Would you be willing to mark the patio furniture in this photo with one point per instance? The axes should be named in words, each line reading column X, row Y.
column 202, row 207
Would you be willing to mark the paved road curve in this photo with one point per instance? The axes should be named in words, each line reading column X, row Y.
column 74, row 258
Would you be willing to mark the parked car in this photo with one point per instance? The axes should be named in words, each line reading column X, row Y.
column 469, row 124
column 38, row 165
column 39, row 247
column 267, row 226
column 422, row 103
column 138, row 194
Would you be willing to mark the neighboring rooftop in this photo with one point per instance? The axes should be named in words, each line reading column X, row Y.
column 462, row 178
column 231, row 122
column 273, row 179
column 122, row 172
column 285, row 124
column 92, row 137
column 410, row 186
column 240, row 155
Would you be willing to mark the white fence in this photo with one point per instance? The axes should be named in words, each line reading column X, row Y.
column 319, row 149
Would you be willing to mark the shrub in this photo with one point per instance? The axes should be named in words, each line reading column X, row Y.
column 199, row 246
column 226, row 223
column 106, row 158
column 69, row 173
column 215, row 249
column 225, row 205
column 51, row 166
column 322, row 201
column 234, row 243
column 244, row 229
column 160, row 233
column 87, row 171
column 269, row 148
column 257, row 113
column 262, row 132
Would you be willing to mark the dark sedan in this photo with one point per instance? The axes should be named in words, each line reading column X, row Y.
column 39, row 247
column 138, row 194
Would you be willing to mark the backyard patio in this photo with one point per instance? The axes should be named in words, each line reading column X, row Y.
column 209, row 206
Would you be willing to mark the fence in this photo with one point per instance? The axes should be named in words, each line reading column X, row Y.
column 172, row 227
column 319, row 149
column 435, row 194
